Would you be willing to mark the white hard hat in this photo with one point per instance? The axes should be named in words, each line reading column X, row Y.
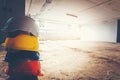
column 23, row 23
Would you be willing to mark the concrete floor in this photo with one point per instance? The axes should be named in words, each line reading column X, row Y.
column 78, row 60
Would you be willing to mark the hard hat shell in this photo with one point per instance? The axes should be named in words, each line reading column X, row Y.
column 23, row 23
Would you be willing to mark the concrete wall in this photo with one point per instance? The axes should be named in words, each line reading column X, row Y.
column 59, row 31
column 100, row 31
column 55, row 20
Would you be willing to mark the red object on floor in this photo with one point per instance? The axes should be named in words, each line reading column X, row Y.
column 28, row 67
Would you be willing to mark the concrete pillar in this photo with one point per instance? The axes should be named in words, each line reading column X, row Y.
column 10, row 8
column 48, row 1
column 118, row 31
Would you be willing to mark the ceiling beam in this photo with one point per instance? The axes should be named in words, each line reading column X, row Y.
column 48, row 1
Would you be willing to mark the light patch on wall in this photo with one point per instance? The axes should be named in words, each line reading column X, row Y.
column 102, row 31
column 86, row 33
column 53, row 30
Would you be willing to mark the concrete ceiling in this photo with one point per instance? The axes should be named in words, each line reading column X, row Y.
column 75, row 11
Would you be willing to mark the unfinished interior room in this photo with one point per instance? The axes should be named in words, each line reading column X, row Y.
column 78, row 39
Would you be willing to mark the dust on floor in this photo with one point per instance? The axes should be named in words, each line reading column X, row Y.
column 77, row 60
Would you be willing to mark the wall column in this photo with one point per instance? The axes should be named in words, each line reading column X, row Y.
column 118, row 31
column 10, row 8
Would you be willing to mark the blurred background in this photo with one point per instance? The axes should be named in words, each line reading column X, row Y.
column 79, row 39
